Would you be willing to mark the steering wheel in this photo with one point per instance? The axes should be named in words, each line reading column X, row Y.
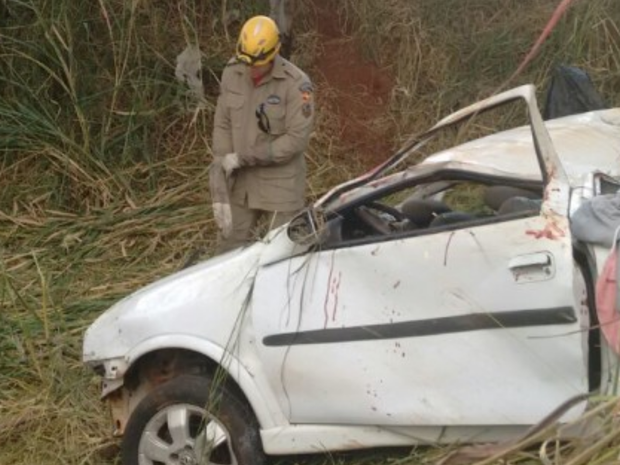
column 376, row 223
column 395, row 212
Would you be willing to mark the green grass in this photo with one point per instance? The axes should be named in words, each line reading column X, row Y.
column 103, row 165
column 449, row 53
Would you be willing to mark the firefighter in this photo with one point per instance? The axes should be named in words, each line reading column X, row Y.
column 263, row 120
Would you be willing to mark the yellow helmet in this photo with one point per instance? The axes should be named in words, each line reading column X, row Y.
column 259, row 41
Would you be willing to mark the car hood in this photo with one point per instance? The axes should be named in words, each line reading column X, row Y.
column 203, row 301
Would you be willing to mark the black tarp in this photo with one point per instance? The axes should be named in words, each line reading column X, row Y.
column 571, row 91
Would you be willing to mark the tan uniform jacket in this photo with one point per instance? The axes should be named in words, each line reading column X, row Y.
column 274, row 173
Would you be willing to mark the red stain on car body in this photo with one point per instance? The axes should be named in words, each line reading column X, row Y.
column 551, row 231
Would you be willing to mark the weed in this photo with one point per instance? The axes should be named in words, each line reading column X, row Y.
column 104, row 170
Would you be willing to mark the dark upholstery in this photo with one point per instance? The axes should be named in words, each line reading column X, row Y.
column 495, row 196
column 422, row 211
column 451, row 218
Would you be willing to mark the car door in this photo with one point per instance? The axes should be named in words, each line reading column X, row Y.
column 474, row 326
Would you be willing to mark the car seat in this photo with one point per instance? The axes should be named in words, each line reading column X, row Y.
column 495, row 196
column 421, row 212
column 451, row 218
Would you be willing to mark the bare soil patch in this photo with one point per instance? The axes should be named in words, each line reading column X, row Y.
column 356, row 90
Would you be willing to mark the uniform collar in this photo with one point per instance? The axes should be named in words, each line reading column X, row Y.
column 278, row 71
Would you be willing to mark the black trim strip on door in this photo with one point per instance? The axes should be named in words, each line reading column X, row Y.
column 429, row 327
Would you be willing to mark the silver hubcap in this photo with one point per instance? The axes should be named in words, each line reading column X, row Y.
column 183, row 434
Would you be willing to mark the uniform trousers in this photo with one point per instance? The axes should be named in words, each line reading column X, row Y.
column 249, row 223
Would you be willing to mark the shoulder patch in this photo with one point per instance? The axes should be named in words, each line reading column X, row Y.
column 306, row 91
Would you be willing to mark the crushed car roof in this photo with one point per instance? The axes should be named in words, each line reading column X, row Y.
column 585, row 143
column 576, row 145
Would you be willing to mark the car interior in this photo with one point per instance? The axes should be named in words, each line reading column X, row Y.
column 430, row 207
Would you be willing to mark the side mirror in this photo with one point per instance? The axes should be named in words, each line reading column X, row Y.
column 307, row 228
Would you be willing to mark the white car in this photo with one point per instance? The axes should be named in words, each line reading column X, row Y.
column 443, row 303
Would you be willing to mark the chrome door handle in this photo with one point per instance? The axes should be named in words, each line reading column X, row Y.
column 532, row 267
column 535, row 259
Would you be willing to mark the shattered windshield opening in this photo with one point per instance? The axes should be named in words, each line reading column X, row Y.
column 482, row 118
column 466, row 142
column 477, row 126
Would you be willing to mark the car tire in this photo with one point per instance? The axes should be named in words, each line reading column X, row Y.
column 185, row 401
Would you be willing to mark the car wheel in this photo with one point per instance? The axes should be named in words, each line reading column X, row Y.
column 189, row 421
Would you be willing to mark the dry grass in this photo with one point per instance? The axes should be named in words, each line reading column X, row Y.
column 447, row 54
column 103, row 168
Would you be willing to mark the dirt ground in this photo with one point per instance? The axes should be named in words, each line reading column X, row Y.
column 359, row 90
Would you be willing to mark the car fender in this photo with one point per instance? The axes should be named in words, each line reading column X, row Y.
column 254, row 388
column 206, row 301
column 203, row 309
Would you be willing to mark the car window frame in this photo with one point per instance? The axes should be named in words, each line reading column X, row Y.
column 444, row 174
